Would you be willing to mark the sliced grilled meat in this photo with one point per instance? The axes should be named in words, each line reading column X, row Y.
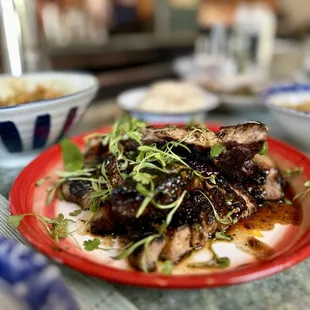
column 273, row 187
column 178, row 244
column 202, row 138
column 251, row 133
column 78, row 192
column 146, row 259
column 94, row 150
column 103, row 222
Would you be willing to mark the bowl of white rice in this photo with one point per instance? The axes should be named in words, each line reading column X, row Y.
column 168, row 102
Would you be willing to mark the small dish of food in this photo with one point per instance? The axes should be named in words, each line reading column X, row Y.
column 235, row 91
column 168, row 102
column 290, row 105
column 38, row 109
column 168, row 206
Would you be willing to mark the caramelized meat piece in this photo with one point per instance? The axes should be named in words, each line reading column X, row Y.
column 77, row 192
column 94, row 151
column 202, row 138
column 103, row 222
column 178, row 244
column 250, row 133
column 146, row 259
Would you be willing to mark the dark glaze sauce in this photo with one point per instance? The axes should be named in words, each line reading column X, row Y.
column 244, row 233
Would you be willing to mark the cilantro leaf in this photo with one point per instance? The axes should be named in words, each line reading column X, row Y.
column 91, row 245
column 60, row 227
column 167, row 267
column 15, row 220
column 142, row 177
column 72, row 156
column 75, row 212
column 222, row 236
column 216, row 150
column 264, row 149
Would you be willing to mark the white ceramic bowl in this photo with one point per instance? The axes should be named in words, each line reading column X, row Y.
column 129, row 100
column 28, row 128
column 295, row 123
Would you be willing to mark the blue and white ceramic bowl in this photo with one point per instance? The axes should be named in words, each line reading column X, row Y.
column 25, row 129
column 28, row 282
column 295, row 123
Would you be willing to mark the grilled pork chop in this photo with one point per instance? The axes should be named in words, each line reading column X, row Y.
column 230, row 187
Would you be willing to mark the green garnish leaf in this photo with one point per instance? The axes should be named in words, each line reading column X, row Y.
column 142, row 177
column 132, row 248
column 51, row 196
column 40, row 182
column 222, row 236
column 60, row 227
column 94, row 206
column 142, row 190
column 264, row 149
column 292, row 172
column 15, row 220
column 287, row 201
column 303, row 194
column 218, row 262
column 75, row 212
column 223, row 262
column 212, row 179
column 60, row 195
column 167, row 267
column 135, row 135
column 228, row 219
column 216, row 150
column 169, row 217
column 72, row 156
column 91, row 245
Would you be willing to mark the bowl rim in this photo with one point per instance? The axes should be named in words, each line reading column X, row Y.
column 215, row 102
column 286, row 89
column 91, row 88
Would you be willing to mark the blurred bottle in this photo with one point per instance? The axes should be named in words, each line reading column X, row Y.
column 215, row 19
column 253, row 35
column 145, row 12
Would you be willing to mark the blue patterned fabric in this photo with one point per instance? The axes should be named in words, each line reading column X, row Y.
column 32, row 279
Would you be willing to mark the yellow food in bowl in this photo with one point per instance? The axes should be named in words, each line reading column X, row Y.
column 303, row 107
column 24, row 96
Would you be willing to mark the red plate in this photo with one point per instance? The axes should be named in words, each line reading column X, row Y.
column 25, row 196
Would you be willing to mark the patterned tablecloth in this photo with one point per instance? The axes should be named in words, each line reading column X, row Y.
column 289, row 290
